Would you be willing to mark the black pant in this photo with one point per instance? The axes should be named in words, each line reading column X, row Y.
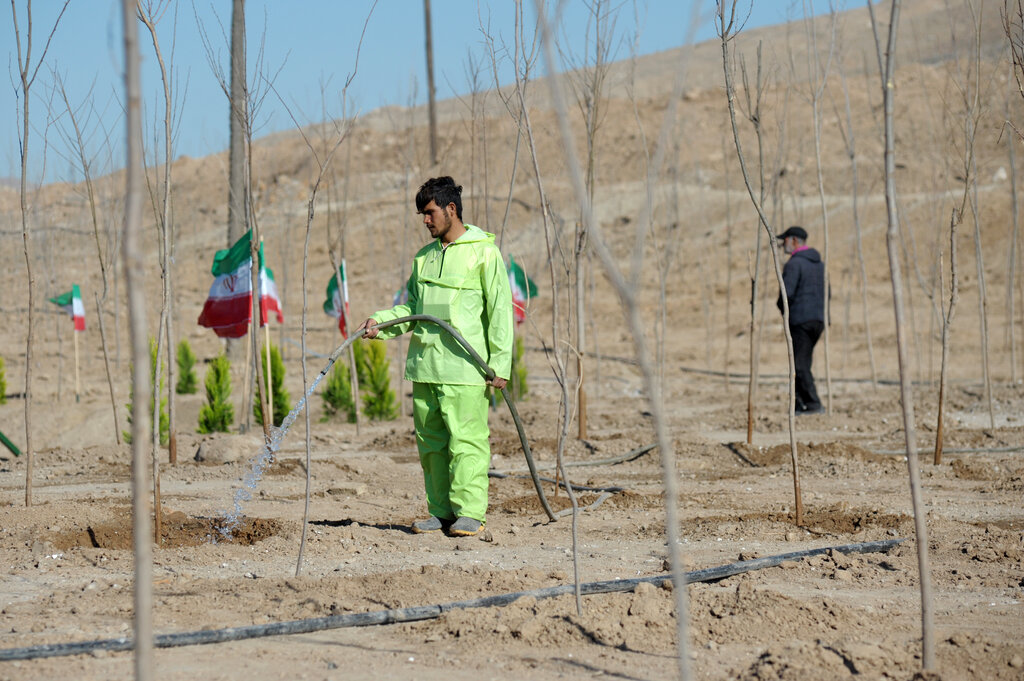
column 805, row 335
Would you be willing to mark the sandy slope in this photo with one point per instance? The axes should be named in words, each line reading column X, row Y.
column 69, row 571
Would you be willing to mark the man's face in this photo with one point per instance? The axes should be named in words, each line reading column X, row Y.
column 437, row 220
column 788, row 244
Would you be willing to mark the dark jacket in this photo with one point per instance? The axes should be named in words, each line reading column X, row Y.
column 804, row 277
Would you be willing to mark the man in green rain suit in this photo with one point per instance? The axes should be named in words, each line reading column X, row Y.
column 459, row 277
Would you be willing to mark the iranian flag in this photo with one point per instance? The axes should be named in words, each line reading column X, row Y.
column 523, row 289
column 228, row 308
column 72, row 304
column 336, row 304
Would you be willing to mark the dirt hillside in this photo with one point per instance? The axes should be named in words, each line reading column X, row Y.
column 836, row 615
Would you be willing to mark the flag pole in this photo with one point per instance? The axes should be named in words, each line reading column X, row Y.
column 74, row 333
column 268, row 419
column 270, row 383
column 246, row 391
column 353, row 373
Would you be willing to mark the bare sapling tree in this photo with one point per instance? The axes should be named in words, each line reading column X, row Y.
column 134, row 269
column 484, row 165
column 75, row 139
column 408, row 156
column 255, row 244
column 887, row 65
column 908, row 249
column 941, row 168
column 970, row 89
column 112, row 219
column 523, row 59
column 729, row 26
column 845, row 126
column 627, row 286
column 1012, row 14
column 472, row 67
column 817, row 79
column 707, row 283
column 753, row 114
column 510, row 101
column 27, row 72
column 664, row 240
column 403, row 257
column 590, row 76
column 49, row 291
column 150, row 13
column 726, row 181
column 1011, row 262
column 336, row 251
column 323, row 158
column 955, row 219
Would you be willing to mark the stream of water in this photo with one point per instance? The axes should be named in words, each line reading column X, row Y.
column 232, row 518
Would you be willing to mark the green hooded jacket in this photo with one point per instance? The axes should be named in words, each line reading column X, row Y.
column 467, row 286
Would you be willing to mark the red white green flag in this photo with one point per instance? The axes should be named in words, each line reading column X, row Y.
column 523, row 289
column 336, row 304
column 228, row 308
column 270, row 301
column 72, row 304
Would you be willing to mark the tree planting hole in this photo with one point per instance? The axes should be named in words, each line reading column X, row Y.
column 176, row 530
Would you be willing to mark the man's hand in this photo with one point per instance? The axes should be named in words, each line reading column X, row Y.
column 498, row 382
column 371, row 328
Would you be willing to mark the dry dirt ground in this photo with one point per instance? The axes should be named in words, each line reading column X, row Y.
column 69, row 563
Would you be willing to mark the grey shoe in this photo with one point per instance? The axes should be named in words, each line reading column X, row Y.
column 431, row 524
column 465, row 526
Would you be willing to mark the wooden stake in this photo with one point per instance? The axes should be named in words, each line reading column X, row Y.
column 270, row 384
column 78, row 391
column 106, row 364
column 246, row 385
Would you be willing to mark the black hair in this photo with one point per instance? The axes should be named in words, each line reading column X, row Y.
column 442, row 191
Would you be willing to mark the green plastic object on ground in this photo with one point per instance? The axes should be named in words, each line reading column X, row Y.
column 10, row 445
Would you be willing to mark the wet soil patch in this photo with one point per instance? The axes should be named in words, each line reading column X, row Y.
column 395, row 440
column 283, row 467
column 176, row 530
column 977, row 470
column 809, row 452
column 1014, row 524
column 528, row 502
column 831, row 520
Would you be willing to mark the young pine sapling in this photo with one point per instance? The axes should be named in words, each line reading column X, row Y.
column 217, row 415
column 337, row 394
column 187, row 381
column 374, row 372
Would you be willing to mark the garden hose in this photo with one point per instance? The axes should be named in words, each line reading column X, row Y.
column 487, row 372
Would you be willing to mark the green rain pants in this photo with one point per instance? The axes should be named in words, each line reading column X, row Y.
column 452, row 438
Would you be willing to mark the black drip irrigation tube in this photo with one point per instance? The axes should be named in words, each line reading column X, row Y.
column 560, row 483
column 946, row 450
column 488, row 374
column 424, row 612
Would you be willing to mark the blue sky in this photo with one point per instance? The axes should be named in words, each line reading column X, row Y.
column 306, row 43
